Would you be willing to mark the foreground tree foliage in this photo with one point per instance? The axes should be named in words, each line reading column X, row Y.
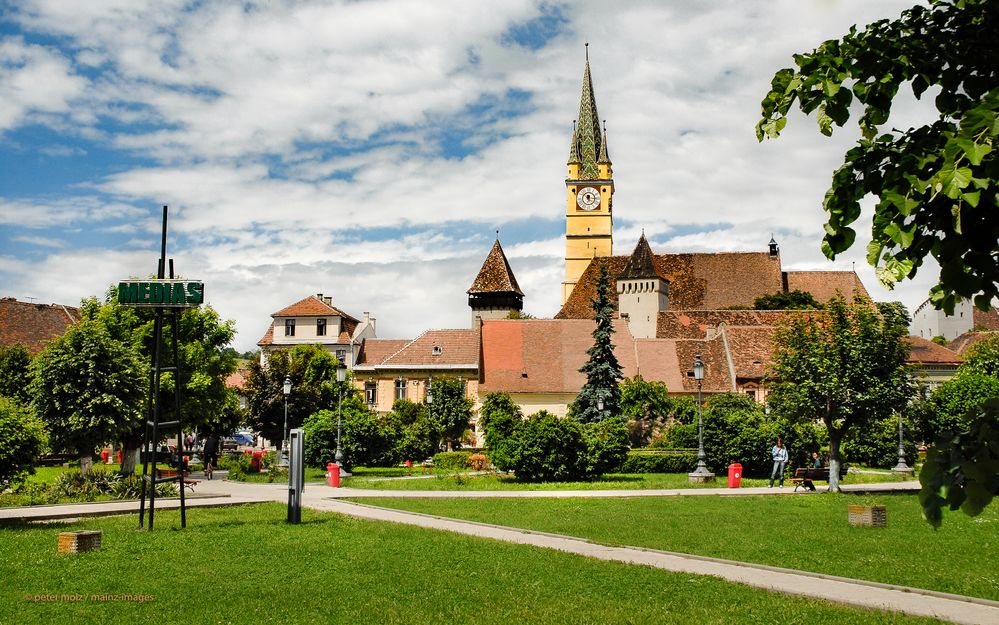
column 602, row 370
column 22, row 441
column 844, row 366
column 89, row 388
column 451, row 409
column 936, row 184
column 15, row 372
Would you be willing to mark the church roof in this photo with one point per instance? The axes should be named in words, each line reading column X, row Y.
column 824, row 284
column 495, row 276
column 927, row 352
column 587, row 141
column 697, row 281
column 640, row 264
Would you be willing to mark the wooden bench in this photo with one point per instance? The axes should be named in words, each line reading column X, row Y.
column 173, row 473
column 804, row 476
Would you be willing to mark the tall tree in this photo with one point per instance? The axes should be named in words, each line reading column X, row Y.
column 312, row 371
column 602, row 369
column 22, row 441
column 937, row 185
column 844, row 366
column 89, row 389
column 15, row 372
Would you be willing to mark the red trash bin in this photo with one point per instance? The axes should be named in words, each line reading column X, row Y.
column 734, row 475
column 333, row 474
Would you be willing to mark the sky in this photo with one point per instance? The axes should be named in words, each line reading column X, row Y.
column 370, row 149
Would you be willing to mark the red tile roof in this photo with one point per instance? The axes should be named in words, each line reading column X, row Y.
column 824, row 284
column 963, row 343
column 268, row 337
column 928, row 352
column 456, row 347
column 375, row 351
column 236, row 379
column 693, row 324
column 985, row 319
column 311, row 306
column 33, row 325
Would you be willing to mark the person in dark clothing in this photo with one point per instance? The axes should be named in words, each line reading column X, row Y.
column 211, row 452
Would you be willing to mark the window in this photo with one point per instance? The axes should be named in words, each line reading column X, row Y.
column 437, row 350
column 371, row 393
column 320, row 327
column 289, row 327
column 400, row 389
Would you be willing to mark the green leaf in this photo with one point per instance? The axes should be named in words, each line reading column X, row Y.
column 825, row 122
column 974, row 151
column 955, row 212
column 972, row 198
column 954, row 180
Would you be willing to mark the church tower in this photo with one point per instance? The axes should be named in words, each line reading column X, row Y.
column 589, row 190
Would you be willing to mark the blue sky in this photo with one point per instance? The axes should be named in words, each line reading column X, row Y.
column 370, row 150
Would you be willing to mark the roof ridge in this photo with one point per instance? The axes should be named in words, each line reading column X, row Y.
column 399, row 351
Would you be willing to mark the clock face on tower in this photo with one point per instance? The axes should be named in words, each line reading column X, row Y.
column 588, row 199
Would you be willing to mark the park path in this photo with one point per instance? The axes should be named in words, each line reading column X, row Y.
column 918, row 602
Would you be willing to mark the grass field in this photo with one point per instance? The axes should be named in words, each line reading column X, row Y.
column 807, row 532
column 245, row 565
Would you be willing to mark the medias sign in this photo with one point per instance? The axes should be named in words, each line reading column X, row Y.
column 165, row 293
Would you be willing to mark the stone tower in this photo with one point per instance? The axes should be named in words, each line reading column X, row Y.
column 495, row 292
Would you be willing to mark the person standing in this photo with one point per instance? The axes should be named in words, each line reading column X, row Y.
column 211, row 452
column 779, row 455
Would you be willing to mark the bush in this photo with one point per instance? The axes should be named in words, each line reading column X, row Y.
column 546, row 448
column 876, row 444
column 22, row 441
column 479, row 462
column 237, row 464
column 677, row 436
column 644, row 461
column 452, row 460
column 499, row 418
column 954, row 401
column 606, row 446
column 366, row 440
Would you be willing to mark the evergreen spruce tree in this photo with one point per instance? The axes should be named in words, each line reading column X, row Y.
column 602, row 370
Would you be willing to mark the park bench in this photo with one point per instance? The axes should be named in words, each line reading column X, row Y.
column 188, row 483
column 804, row 476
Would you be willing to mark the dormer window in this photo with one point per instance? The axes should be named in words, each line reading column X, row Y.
column 437, row 351
column 320, row 327
column 289, row 327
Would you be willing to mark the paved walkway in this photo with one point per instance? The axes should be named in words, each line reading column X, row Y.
column 859, row 593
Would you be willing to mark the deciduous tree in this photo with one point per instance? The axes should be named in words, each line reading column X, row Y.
column 15, row 372
column 844, row 366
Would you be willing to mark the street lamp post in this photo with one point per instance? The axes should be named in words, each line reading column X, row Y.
column 701, row 473
column 284, row 430
column 341, row 375
column 901, row 467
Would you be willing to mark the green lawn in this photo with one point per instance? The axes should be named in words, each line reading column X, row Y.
column 245, row 565
column 610, row 481
column 806, row 532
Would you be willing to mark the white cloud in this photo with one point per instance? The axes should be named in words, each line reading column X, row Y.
column 299, row 143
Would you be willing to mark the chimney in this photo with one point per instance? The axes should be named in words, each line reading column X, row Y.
column 319, row 296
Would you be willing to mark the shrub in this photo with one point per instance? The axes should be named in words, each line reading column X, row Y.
column 876, row 444
column 546, row 448
column 955, row 401
column 22, row 441
column 478, row 462
column 237, row 464
column 499, row 418
column 452, row 460
column 645, row 461
column 677, row 436
column 366, row 440
column 606, row 446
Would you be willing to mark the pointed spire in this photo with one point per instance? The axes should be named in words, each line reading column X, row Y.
column 641, row 263
column 603, row 148
column 574, row 147
column 586, row 139
column 495, row 276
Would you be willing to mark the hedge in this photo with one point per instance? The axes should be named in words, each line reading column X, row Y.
column 677, row 461
column 452, row 460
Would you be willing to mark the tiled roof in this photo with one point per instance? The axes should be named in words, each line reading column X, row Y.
column 236, row 379
column 927, row 352
column 692, row 324
column 312, row 306
column 824, row 284
column 374, row 351
column 33, row 325
column 751, row 349
column 544, row 356
column 495, row 275
column 587, row 139
column 268, row 337
column 640, row 264
column 697, row 281
column 438, row 348
column 963, row 343
column 985, row 319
